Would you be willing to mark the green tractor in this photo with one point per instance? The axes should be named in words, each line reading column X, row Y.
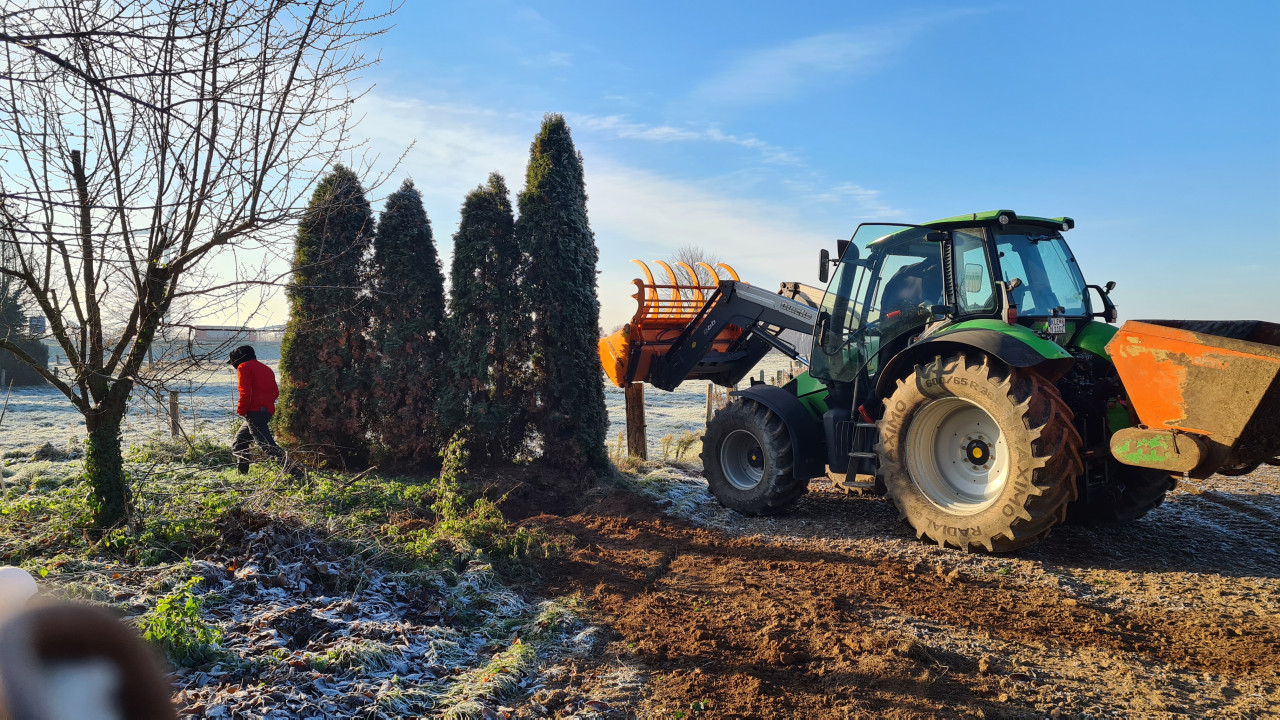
column 960, row 367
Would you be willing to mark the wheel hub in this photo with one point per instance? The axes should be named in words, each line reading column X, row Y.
column 742, row 460
column 956, row 456
column 978, row 452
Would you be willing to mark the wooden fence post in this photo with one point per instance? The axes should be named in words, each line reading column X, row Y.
column 174, row 429
column 637, row 443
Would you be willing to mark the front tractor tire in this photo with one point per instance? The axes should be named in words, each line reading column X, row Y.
column 747, row 459
column 978, row 456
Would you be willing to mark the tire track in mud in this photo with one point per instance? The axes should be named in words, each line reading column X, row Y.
column 1268, row 517
column 780, row 630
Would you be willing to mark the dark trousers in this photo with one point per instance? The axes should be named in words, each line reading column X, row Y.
column 256, row 429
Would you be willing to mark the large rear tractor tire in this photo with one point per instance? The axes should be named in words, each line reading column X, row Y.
column 1131, row 493
column 747, row 459
column 978, row 456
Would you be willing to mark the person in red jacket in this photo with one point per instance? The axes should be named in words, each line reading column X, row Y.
column 258, row 392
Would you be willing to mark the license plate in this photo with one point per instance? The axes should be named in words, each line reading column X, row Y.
column 1057, row 325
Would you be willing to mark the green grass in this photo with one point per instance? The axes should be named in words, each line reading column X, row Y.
column 184, row 493
column 177, row 628
column 424, row 531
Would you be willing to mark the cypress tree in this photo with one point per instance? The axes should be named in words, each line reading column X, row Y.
column 561, row 291
column 324, row 349
column 488, row 328
column 408, row 312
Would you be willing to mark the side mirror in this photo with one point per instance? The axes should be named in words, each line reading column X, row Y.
column 1109, row 312
column 842, row 247
column 1111, row 285
column 824, row 263
column 848, row 251
column 937, row 236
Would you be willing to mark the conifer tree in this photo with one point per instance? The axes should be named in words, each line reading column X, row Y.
column 488, row 328
column 408, row 313
column 561, row 290
column 324, row 349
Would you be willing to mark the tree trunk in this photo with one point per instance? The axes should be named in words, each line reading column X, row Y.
column 104, row 467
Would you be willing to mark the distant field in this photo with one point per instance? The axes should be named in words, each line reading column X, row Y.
column 207, row 399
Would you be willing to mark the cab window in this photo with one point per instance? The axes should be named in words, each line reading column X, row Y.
column 975, row 291
column 1051, row 282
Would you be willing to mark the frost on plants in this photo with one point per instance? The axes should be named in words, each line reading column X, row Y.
column 176, row 627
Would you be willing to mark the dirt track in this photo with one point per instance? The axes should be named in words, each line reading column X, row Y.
column 833, row 610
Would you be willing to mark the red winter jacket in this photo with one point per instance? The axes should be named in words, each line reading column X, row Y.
column 257, row 385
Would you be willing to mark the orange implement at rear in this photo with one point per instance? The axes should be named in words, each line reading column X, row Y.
column 1216, row 380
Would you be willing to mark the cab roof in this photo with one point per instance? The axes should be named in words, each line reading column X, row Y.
column 1058, row 223
column 988, row 217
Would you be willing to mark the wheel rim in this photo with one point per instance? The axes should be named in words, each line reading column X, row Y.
column 742, row 460
column 957, row 456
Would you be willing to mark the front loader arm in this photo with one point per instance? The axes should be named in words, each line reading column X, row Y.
column 762, row 315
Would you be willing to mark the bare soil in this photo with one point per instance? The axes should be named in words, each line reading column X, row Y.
column 834, row 610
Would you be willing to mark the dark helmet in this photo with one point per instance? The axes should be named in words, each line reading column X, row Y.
column 242, row 353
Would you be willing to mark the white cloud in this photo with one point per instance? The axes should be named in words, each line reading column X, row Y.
column 784, row 70
column 779, row 72
column 619, row 126
column 548, row 60
column 866, row 202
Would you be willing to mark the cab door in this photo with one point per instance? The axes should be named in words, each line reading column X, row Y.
column 870, row 302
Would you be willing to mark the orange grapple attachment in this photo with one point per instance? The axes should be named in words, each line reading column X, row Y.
column 663, row 310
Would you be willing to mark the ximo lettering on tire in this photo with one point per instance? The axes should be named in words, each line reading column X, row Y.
column 747, row 459
column 978, row 456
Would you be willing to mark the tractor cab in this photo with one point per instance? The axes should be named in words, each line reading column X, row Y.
column 919, row 281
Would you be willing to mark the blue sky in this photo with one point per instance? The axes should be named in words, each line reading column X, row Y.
column 763, row 132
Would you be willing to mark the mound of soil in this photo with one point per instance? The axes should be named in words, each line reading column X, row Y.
column 726, row 625
column 523, row 491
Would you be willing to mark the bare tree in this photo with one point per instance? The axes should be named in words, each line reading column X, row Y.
column 691, row 255
column 157, row 152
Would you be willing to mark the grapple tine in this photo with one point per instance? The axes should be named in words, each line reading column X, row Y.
column 628, row 354
column 653, row 291
column 733, row 275
column 715, row 276
column 696, row 286
column 676, row 301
